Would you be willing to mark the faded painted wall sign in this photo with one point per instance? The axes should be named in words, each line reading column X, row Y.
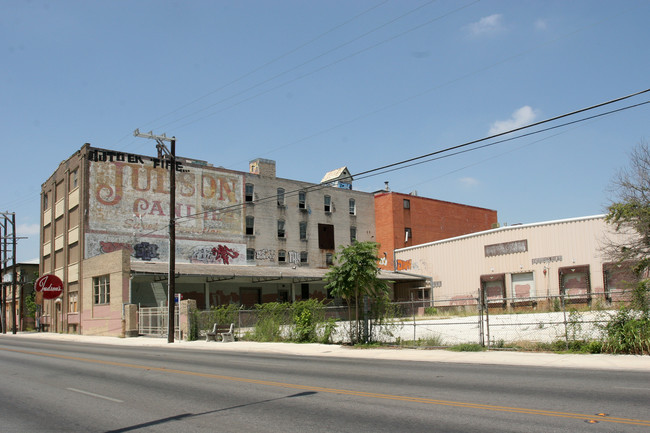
column 506, row 248
column 129, row 198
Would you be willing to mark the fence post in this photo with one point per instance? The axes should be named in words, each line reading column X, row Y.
column 481, row 329
column 487, row 318
column 413, row 312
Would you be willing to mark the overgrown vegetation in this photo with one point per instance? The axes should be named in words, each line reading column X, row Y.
column 629, row 214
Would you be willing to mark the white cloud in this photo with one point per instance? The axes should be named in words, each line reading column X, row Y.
column 540, row 24
column 521, row 117
column 468, row 182
column 486, row 25
column 27, row 229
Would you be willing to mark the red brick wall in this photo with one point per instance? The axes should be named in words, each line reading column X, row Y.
column 430, row 220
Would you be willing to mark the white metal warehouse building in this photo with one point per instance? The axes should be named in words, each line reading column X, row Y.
column 521, row 263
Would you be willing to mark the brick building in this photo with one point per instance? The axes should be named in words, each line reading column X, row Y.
column 26, row 274
column 241, row 237
column 403, row 220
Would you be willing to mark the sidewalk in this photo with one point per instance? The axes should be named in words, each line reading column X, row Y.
column 599, row 362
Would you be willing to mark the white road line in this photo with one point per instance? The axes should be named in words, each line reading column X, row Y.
column 95, row 395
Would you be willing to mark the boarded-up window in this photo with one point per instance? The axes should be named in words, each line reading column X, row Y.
column 58, row 259
column 494, row 288
column 73, row 218
column 47, row 264
column 574, row 283
column 60, row 190
column 73, row 253
column 619, row 281
column 250, row 297
column 326, row 236
column 59, row 227
column 523, row 285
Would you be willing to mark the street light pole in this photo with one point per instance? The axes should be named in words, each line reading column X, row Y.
column 171, row 278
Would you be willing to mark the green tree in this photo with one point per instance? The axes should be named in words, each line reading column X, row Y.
column 629, row 330
column 629, row 214
column 354, row 276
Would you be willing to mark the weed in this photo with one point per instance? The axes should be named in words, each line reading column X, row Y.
column 467, row 347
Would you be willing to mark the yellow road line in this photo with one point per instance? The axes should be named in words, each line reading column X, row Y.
column 422, row 400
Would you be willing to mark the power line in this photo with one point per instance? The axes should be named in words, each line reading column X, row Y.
column 584, row 119
column 396, row 165
column 307, row 74
column 270, row 62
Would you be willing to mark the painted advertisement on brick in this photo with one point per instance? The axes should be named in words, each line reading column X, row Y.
column 157, row 249
column 127, row 198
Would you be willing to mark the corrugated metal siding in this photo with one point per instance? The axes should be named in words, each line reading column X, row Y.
column 458, row 263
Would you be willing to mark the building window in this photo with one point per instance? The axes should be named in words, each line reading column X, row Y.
column 102, row 289
column 327, row 203
column 329, row 259
column 407, row 234
column 282, row 256
column 407, row 204
column 353, row 207
column 281, row 232
column 249, row 192
column 250, row 254
column 74, row 180
column 280, row 196
column 303, row 256
column 46, row 201
column 250, row 225
column 73, row 302
column 303, row 230
column 302, row 200
column 353, row 234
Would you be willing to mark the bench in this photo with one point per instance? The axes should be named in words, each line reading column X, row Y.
column 225, row 331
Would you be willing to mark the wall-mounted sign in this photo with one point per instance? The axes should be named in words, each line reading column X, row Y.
column 50, row 285
column 506, row 248
column 550, row 259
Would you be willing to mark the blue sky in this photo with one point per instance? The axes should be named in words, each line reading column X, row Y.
column 316, row 85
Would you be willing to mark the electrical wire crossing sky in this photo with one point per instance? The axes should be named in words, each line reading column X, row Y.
column 388, row 88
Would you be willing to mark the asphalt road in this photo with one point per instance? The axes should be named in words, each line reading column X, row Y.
column 56, row 386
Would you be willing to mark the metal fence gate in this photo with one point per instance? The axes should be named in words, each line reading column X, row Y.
column 152, row 321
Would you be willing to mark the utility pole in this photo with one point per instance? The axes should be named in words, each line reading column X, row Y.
column 169, row 154
column 5, row 259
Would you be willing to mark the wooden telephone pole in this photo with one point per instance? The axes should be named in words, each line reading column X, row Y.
column 170, row 155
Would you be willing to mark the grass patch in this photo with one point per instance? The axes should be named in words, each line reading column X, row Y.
column 467, row 347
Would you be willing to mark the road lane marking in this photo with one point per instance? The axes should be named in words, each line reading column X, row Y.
column 92, row 394
column 422, row 400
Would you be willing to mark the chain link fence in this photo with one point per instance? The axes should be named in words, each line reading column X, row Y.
column 491, row 322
